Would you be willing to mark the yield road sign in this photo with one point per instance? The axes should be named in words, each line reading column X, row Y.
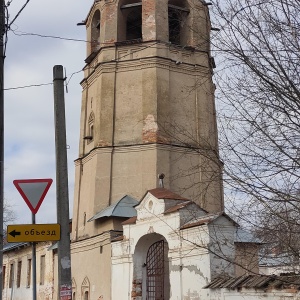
column 33, row 191
column 33, row 233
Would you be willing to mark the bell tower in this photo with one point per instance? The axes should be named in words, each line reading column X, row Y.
column 147, row 106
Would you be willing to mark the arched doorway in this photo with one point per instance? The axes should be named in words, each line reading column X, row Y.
column 155, row 267
column 151, row 268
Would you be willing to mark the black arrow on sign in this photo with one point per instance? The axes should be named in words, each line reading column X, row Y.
column 14, row 233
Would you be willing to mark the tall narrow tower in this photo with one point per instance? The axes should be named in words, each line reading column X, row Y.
column 147, row 106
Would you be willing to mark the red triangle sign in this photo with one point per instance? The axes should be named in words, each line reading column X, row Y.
column 33, row 191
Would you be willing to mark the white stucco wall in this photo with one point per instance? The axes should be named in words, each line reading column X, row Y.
column 190, row 263
column 247, row 294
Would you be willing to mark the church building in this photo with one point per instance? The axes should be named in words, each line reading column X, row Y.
column 147, row 109
column 148, row 219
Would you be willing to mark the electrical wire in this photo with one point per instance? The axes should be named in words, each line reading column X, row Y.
column 27, row 86
column 17, row 15
column 20, row 33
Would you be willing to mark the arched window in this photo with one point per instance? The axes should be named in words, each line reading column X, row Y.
column 85, row 288
column 131, row 11
column 177, row 14
column 90, row 129
column 95, row 31
column 74, row 288
column 86, row 295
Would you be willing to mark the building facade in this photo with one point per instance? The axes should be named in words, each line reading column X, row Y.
column 18, row 275
column 147, row 109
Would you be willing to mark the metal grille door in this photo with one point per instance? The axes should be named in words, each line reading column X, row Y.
column 155, row 271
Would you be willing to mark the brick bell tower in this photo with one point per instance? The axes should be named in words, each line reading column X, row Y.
column 147, row 106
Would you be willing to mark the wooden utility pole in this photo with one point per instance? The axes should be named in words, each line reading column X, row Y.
column 2, row 56
column 62, row 193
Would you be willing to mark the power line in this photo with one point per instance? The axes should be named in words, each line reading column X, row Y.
column 20, row 33
column 50, row 83
column 27, row 86
column 17, row 15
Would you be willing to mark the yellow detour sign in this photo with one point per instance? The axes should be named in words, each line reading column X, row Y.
column 33, row 233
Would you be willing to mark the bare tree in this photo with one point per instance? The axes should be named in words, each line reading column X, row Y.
column 258, row 53
column 8, row 215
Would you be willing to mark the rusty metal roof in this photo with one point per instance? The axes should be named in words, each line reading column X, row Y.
column 162, row 193
column 256, row 282
column 117, row 238
column 206, row 220
column 201, row 221
column 177, row 207
column 132, row 220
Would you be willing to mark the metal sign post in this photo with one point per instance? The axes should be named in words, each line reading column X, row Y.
column 33, row 191
column 33, row 264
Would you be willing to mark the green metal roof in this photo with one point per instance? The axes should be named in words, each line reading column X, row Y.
column 123, row 208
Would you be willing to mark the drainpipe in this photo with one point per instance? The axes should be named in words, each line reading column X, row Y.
column 53, row 272
column 78, row 198
column 180, row 266
column 80, row 161
column 113, row 129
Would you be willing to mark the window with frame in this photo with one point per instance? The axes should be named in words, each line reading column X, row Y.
column 42, row 269
column 90, row 129
column 28, row 280
column 132, row 17
column 84, row 218
column 86, row 295
column 11, row 275
column 3, row 276
column 177, row 14
column 74, row 287
column 134, row 24
column 95, row 31
column 19, row 272
column 85, row 288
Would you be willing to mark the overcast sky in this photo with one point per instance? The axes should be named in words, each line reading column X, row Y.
column 29, row 120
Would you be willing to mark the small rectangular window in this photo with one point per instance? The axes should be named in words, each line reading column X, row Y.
column 3, row 276
column 19, row 271
column 42, row 270
column 28, row 281
column 11, row 275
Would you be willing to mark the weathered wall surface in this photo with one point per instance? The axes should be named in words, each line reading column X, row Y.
column 247, row 294
column 91, row 270
column 144, row 105
column 190, row 263
column 45, row 289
